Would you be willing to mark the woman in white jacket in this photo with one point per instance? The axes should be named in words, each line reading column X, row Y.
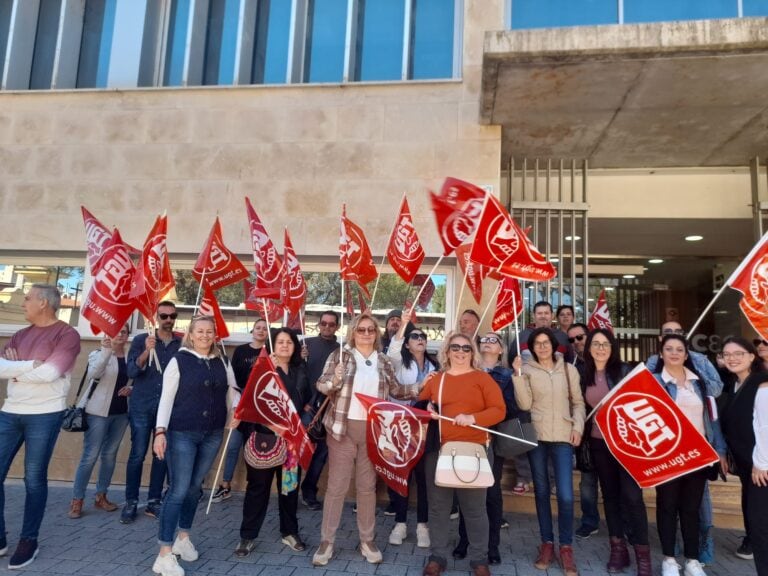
column 106, row 403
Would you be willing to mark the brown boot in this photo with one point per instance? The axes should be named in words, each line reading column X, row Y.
column 643, row 558
column 619, row 558
column 76, row 508
column 432, row 569
column 481, row 570
column 567, row 562
column 104, row 504
column 546, row 552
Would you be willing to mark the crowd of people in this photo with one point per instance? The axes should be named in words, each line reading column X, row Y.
column 178, row 396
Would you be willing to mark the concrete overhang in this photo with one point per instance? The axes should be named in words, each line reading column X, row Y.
column 689, row 93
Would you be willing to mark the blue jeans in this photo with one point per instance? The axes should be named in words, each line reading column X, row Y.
column 561, row 455
column 103, row 438
column 142, row 420
column 190, row 455
column 590, row 515
column 233, row 454
column 39, row 433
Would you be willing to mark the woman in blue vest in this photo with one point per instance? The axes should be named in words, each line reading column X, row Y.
column 198, row 390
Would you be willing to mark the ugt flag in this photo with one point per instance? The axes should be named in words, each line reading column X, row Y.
column 265, row 401
column 97, row 239
column 751, row 279
column 355, row 259
column 217, row 265
column 457, row 209
column 405, row 252
column 601, row 316
column 396, row 436
column 266, row 260
column 648, row 434
column 509, row 303
column 209, row 306
column 153, row 278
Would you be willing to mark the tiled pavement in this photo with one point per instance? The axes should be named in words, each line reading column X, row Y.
column 98, row 544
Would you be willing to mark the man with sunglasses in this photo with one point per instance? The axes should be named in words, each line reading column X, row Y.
column 142, row 411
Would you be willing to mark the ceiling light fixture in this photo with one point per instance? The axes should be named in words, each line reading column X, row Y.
column 572, row 238
column 655, row 261
column 694, row 238
column 629, row 276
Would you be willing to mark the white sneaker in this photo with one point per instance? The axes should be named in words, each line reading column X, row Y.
column 422, row 535
column 398, row 534
column 167, row 566
column 183, row 547
column 323, row 554
column 670, row 567
column 371, row 552
column 694, row 568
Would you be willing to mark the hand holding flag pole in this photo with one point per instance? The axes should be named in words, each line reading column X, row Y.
column 435, row 415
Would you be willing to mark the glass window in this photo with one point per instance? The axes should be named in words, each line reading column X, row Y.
column 669, row 10
column 380, row 40
column 177, row 40
column 270, row 51
column 15, row 281
column 45, row 44
column 96, row 43
column 554, row 13
column 750, row 8
column 326, row 38
column 221, row 42
column 432, row 39
column 5, row 26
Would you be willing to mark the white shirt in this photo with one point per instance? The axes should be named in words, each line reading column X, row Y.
column 760, row 424
column 366, row 382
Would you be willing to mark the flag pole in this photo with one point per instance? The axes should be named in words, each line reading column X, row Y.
column 489, row 430
column 199, row 291
column 461, row 293
column 707, row 309
column 490, row 301
column 423, row 286
column 266, row 319
column 341, row 324
column 218, row 471
column 517, row 329
column 383, row 257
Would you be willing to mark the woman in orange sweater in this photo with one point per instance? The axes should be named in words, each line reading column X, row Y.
column 469, row 396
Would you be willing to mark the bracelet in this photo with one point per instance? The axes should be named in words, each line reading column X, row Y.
column 160, row 433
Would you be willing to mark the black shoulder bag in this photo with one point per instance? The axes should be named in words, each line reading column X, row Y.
column 75, row 418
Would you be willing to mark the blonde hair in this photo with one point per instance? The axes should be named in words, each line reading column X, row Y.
column 352, row 330
column 445, row 359
column 187, row 340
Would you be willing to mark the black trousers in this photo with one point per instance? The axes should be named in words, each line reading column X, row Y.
column 681, row 498
column 256, row 502
column 758, row 523
column 422, row 503
column 744, row 472
column 622, row 497
column 494, row 506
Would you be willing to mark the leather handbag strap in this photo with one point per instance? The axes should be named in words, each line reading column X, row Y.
column 319, row 413
column 440, row 406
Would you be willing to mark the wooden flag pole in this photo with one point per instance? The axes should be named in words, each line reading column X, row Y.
column 461, row 294
column 490, row 431
column 517, row 330
column 474, row 336
column 384, row 256
column 218, row 471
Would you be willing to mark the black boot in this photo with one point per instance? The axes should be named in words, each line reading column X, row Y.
column 460, row 552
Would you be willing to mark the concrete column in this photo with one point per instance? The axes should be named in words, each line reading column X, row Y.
column 246, row 38
column 21, row 45
column 67, row 57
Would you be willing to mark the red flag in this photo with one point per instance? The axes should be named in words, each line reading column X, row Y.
column 109, row 304
column 266, row 260
column 509, row 303
column 265, row 401
column 648, row 434
column 501, row 245
column 355, row 259
column 361, row 301
column 405, row 252
column 153, row 277
column 601, row 316
column 472, row 271
column 456, row 209
column 293, row 292
column 396, row 435
column 254, row 302
column 97, row 239
column 429, row 289
column 219, row 266
column 209, row 306
column 751, row 279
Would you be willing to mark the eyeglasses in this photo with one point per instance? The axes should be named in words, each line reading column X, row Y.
column 366, row 330
column 735, row 355
column 601, row 345
column 678, row 331
column 417, row 336
column 757, row 342
column 324, row 324
column 542, row 344
column 460, row 348
column 172, row 316
column 578, row 338
column 489, row 340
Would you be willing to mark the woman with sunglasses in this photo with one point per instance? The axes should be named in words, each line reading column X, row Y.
column 469, row 396
column 198, row 390
column 762, row 351
column 737, row 415
column 412, row 363
column 681, row 498
column 361, row 368
column 622, row 497
column 549, row 387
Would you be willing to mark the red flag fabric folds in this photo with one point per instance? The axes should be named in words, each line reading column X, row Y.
column 97, row 239
column 153, row 277
column 501, row 245
column 648, row 434
column 751, row 279
column 217, row 264
column 254, row 302
column 209, row 306
column 472, row 271
column 396, row 435
column 293, row 292
column 509, row 303
column 601, row 316
column 405, row 252
column 266, row 260
column 266, row 401
column 429, row 290
column 457, row 209
column 355, row 259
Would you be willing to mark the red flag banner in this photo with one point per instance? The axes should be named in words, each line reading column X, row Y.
column 405, row 252
column 501, row 245
column 356, row 261
column 396, row 436
column 153, row 278
column 648, row 434
column 97, row 239
column 508, row 301
column 217, row 263
column 266, row 401
column 109, row 304
column 601, row 316
column 457, row 209
column 254, row 302
column 349, row 303
column 209, row 306
column 293, row 292
column 266, row 260
column 429, row 289
column 472, row 271
column 751, row 279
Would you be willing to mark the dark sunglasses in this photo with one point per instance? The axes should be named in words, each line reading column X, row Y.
column 578, row 338
column 172, row 316
column 364, row 330
column 417, row 336
column 489, row 340
column 326, row 324
column 757, row 342
column 460, row 348
column 675, row 331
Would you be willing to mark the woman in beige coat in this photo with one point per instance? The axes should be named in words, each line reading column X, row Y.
column 549, row 387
